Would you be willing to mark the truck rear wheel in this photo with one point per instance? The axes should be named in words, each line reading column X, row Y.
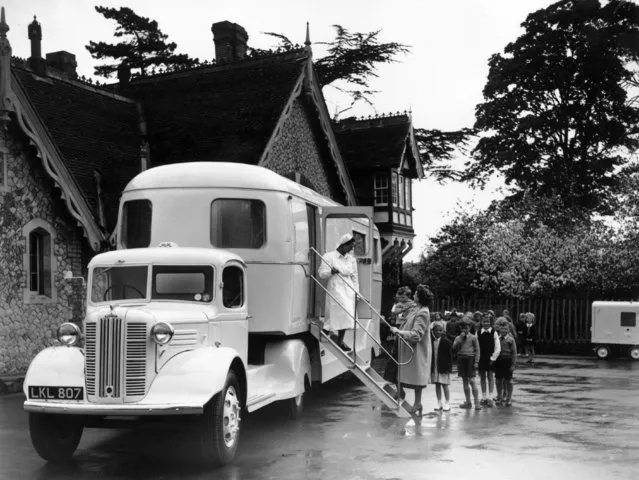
column 220, row 434
column 634, row 352
column 55, row 437
column 602, row 352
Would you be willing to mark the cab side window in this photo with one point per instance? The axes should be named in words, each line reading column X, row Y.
column 233, row 287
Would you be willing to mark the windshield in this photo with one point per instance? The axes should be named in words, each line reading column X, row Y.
column 169, row 282
column 119, row 283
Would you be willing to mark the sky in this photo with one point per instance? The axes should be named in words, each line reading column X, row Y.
column 440, row 81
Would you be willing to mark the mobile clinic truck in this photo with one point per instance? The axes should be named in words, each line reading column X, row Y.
column 614, row 329
column 205, row 310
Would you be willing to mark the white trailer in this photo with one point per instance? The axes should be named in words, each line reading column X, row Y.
column 614, row 329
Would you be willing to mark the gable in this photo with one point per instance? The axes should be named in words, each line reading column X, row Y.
column 300, row 149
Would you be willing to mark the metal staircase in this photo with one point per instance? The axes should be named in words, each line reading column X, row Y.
column 385, row 391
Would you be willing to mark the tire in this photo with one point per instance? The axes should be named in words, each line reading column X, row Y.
column 295, row 406
column 602, row 352
column 634, row 352
column 220, row 429
column 55, row 437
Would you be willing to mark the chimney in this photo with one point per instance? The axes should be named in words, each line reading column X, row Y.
column 63, row 62
column 230, row 41
column 36, row 61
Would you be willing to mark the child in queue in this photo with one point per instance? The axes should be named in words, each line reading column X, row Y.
column 489, row 348
column 441, row 365
column 530, row 338
column 505, row 364
column 466, row 346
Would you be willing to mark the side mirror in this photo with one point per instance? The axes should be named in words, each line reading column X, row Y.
column 68, row 276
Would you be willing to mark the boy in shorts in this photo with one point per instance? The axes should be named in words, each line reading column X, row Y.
column 466, row 346
column 505, row 363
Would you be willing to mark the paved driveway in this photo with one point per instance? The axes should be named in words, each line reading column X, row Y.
column 571, row 419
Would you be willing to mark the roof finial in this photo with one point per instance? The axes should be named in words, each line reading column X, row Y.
column 307, row 43
column 4, row 28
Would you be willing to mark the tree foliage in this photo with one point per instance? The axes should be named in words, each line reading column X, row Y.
column 438, row 149
column 143, row 45
column 556, row 120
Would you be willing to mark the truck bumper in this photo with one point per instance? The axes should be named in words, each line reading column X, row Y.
column 136, row 410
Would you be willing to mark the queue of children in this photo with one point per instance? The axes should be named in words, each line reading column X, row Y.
column 482, row 344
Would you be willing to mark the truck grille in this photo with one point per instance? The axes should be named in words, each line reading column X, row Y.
column 115, row 358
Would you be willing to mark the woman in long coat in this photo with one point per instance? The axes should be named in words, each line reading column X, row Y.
column 416, row 331
column 340, row 269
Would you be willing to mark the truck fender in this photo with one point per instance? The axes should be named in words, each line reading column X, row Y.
column 56, row 366
column 292, row 362
column 196, row 375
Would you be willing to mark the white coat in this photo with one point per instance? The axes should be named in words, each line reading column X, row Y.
column 336, row 317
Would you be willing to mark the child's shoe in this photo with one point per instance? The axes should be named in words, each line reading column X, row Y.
column 498, row 402
column 438, row 408
column 489, row 403
column 478, row 406
column 466, row 405
column 446, row 408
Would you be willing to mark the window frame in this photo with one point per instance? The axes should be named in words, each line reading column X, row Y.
column 45, row 272
column 380, row 189
column 242, row 284
column 264, row 216
column 124, row 229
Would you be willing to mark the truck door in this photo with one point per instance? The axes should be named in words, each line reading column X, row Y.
column 358, row 221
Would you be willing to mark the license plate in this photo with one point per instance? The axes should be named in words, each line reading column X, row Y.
column 56, row 393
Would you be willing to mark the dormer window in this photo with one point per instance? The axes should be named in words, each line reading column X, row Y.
column 394, row 187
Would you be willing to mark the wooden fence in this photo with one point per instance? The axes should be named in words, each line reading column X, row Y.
column 559, row 320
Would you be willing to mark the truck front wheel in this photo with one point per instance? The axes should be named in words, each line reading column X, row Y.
column 220, row 433
column 55, row 437
column 634, row 352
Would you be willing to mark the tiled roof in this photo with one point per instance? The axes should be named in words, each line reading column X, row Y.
column 376, row 143
column 224, row 113
column 92, row 130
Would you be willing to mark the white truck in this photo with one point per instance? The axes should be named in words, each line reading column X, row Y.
column 206, row 309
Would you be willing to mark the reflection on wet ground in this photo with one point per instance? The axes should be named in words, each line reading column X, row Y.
column 571, row 418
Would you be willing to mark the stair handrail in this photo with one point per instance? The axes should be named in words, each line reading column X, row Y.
column 354, row 317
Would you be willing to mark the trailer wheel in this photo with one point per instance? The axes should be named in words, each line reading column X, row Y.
column 220, row 429
column 55, row 437
column 602, row 352
column 634, row 352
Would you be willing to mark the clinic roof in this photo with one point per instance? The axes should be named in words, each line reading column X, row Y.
column 220, row 175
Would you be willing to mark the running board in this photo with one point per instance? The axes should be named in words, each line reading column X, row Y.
column 385, row 391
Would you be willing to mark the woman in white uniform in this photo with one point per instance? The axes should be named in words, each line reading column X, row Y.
column 340, row 269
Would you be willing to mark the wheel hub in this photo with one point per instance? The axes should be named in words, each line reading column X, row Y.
column 231, row 419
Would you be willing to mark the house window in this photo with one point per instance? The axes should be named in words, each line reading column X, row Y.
column 39, row 262
column 238, row 223
column 394, row 188
column 409, row 198
column 381, row 189
column 3, row 172
column 402, row 194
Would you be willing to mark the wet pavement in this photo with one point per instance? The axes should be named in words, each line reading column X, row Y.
column 572, row 418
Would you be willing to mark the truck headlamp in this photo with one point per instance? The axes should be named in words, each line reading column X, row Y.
column 69, row 334
column 162, row 333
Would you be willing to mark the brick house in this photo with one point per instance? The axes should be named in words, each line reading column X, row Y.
column 383, row 159
column 68, row 148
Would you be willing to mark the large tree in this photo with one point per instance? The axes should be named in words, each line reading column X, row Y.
column 556, row 119
column 143, row 45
